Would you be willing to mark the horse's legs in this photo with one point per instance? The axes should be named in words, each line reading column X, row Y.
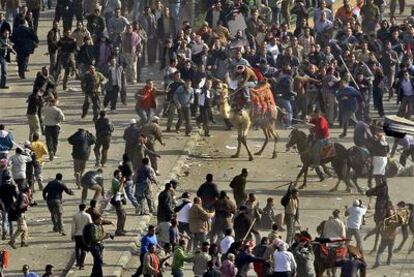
column 244, row 142
column 319, row 173
column 275, row 139
column 265, row 142
column 238, row 147
column 404, row 230
column 355, row 181
column 377, row 234
column 326, row 170
column 305, row 177
column 302, row 170
column 370, row 233
column 335, row 188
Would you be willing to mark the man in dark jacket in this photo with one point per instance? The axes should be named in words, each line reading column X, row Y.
column 208, row 192
column 96, row 24
column 131, row 134
column 241, row 226
column 52, row 193
column 92, row 83
column 238, row 184
column 86, row 55
column 225, row 209
column 34, row 110
column 25, row 41
column 8, row 195
column 53, row 37
column 81, row 141
column 166, row 204
column 66, row 57
column 104, row 129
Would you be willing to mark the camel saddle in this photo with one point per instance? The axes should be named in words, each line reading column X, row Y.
column 328, row 151
column 333, row 254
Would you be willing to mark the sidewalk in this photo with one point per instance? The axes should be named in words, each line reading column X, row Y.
column 117, row 253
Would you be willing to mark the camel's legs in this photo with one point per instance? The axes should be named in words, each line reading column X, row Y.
column 265, row 142
column 238, row 147
column 244, row 142
column 275, row 139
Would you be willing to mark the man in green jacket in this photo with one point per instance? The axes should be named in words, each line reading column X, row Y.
column 180, row 256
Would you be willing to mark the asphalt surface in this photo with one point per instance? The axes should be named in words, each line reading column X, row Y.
column 212, row 155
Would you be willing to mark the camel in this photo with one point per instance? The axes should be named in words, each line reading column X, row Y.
column 263, row 111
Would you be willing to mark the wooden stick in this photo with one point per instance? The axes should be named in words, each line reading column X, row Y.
column 250, row 229
column 347, row 69
column 281, row 186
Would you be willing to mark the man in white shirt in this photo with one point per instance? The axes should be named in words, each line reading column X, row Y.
column 227, row 241
column 322, row 24
column 334, row 227
column 182, row 211
column 18, row 167
column 163, row 232
column 354, row 221
column 79, row 221
column 284, row 261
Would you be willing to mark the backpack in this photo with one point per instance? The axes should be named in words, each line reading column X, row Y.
column 90, row 234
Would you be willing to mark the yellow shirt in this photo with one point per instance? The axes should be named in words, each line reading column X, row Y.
column 40, row 151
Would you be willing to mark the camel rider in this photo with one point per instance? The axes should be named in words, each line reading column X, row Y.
column 407, row 144
column 246, row 79
column 320, row 135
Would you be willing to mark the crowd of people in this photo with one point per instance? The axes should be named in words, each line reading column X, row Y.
column 324, row 62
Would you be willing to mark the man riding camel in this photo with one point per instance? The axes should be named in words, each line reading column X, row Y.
column 246, row 79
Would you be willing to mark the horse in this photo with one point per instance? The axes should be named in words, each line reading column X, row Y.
column 410, row 226
column 332, row 260
column 339, row 161
column 359, row 164
column 328, row 257
column 381, row 204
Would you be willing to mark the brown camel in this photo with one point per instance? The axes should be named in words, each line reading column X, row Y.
column 263, row 111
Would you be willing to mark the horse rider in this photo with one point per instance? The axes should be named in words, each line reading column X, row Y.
column 407, row 144
column 362, row 133
column 320, row 135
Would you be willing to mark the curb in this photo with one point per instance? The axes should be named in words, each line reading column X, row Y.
column 127, row 254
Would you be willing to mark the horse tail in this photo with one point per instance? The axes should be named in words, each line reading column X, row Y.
column 340, row 162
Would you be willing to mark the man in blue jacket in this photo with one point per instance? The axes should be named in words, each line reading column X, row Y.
column 349, row 99
column 6, row 142
column 183, row 99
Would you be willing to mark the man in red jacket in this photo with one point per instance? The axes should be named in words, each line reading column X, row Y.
column 320, row 135
column 145, row 102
